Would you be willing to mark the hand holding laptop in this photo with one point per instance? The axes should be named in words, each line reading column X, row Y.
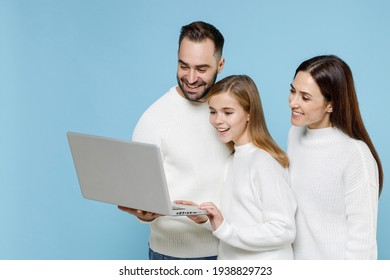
column 140, row 214
column 214, row 215
column 199, row 219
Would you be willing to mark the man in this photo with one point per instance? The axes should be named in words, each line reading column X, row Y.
column 193, row 157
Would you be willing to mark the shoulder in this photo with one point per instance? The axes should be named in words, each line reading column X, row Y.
column 155, row 118
column 356, row 148
column 355, row 152
column 264, row 168
column 361, row 165
column 361, row 152
column 262, row 160
column 259, row 154
column 163, row 104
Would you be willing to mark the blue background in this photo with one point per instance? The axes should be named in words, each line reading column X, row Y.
column 95, row 66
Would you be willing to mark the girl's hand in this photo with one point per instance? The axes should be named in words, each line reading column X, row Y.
column 215, row 215
column 199, row 219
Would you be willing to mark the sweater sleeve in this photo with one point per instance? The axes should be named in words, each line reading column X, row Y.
column 361, row 202
column 278, row 208
column 153, row 123
column 146, row 130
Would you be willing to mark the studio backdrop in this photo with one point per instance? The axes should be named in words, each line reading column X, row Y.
column 94, row 66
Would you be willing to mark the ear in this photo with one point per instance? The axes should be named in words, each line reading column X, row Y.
column 329, row 108
column 221, row 64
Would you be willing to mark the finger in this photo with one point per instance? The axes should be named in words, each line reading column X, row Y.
column 127, row 210
column 208, row 207
column 212, row 211
column 200, row 219
column 211, row 204
column 143, row 213
column 150, row 214
column 185, row 202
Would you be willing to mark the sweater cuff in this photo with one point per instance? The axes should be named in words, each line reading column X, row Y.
column 223, row 231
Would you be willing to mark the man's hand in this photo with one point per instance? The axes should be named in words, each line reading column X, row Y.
column 140, row 214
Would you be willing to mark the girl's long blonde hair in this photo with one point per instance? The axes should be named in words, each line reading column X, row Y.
column 246, row 93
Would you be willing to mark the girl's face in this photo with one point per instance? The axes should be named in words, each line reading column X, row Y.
column 229, row 118
column 308, row 105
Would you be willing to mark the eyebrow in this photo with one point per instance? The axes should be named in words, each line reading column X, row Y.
column 303, row 92
column 196, row 66
column 224, row 108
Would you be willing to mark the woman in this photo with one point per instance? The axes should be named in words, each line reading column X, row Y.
column 256, row 220
column 335, row 172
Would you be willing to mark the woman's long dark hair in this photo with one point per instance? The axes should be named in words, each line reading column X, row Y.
column 334, row 78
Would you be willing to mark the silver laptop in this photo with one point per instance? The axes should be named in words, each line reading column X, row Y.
column 125, row 173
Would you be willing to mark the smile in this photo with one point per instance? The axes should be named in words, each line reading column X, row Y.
column 296, row 114
column 222, row 130
column 192, row 89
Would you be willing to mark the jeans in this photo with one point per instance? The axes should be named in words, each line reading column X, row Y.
column 157, row 256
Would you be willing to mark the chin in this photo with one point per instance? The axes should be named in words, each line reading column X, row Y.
column 225, row 141
column 296, row 123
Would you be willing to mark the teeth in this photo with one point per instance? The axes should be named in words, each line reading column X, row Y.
column 193, row 86
column 222, row 129
column 297, row 113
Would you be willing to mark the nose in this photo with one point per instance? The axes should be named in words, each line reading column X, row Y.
column 219, row 118
column 293, row 100
column 192, row 77
column 216, row 119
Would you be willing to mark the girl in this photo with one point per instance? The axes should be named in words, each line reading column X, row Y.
column 256, row 219
column 335, row 171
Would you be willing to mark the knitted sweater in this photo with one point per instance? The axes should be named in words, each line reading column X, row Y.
column 258, row 208
column 194, row 160
column 335, row 182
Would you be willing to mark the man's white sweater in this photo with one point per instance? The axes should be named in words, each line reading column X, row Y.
column 194, row 160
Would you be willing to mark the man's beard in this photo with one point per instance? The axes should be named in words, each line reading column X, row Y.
column 200, row 95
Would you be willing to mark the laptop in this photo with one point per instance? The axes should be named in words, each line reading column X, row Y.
column 125, row 173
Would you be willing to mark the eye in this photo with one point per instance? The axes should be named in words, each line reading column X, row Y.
column 202, row 70
column 292, row 91
column 305, row 98
column 212, row 112
column 228, row 113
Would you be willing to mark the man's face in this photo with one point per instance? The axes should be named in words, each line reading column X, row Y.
column 197, row 68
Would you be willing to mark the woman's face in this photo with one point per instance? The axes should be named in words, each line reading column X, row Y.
column 308, row 105
column 229, row 118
